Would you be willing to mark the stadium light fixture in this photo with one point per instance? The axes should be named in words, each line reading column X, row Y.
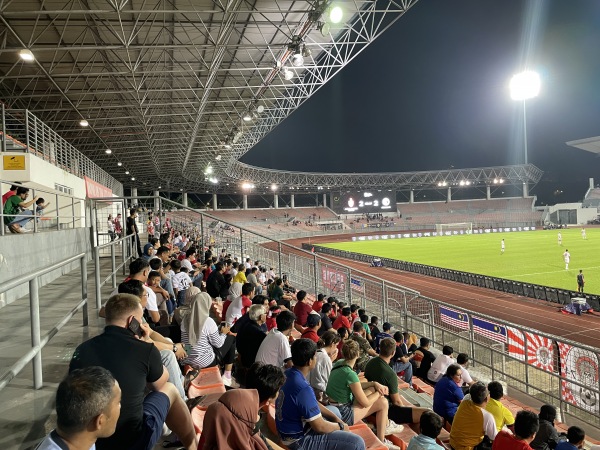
column 208, row 170
column 462, row 182
column 524, row 86
column 127, row 172
column 213, row 180
column 83, row 123
column 160, row 187
column 273, row 187
column 247, row 186
column 336, row 14
column 26, row 55
column 119, row 163
column 218, row 157
column 247, row 116
column 287, row 74
column 260, row 109
column 132, row 178
column 108, row 151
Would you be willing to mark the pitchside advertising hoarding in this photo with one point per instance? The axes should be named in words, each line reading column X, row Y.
column 376, row 237
column 364, row 202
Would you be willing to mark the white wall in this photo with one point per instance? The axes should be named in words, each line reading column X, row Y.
column 583, row 214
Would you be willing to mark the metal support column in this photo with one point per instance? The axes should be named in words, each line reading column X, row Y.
column 113, row 266
column 3, row 129
column 84, row 291
column 241, row 246
column 57, row 212
column 72, row 210
column 27, row 129
column 202, row 232
column 316, row 274
column 279, row 258
column 34, row 307
column 384, row 302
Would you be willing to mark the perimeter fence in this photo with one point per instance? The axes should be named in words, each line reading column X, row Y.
column 551, row 369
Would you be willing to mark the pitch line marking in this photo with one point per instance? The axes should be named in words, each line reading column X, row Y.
column 553, row 271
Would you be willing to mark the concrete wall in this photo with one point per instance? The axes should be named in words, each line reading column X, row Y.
column 22, row 254
column 583, row 214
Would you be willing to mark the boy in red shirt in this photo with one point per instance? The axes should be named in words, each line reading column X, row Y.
column 343, row 320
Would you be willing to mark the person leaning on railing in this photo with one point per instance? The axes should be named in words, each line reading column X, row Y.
column 16, row 214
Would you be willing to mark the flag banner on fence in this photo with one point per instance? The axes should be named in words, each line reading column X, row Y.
column 540, row 349
column 581, row 366
column 516, row 343
column 334, row 280
column 454, row 318
column 357, row 285
column 490, row 330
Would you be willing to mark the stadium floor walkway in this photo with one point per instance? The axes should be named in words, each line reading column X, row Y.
column 26, row 415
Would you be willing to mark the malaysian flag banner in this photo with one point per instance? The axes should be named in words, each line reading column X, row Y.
column 357, row 285
column 490, row 330
column 454, row 318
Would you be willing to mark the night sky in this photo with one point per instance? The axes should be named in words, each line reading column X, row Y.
column 432, row 92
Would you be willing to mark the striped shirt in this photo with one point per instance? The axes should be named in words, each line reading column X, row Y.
column 202, row 354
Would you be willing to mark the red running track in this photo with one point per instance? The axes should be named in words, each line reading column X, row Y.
column 536, row 314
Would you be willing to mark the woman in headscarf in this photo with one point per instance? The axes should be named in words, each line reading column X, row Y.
column 231, row 422
column 211, row 344
column 185, row 309
column 235, row 291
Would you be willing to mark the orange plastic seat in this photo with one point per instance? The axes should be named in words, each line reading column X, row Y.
column 195, row 390
column 371, row 441
column 210, row 375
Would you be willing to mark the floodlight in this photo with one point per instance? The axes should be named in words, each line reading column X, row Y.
column 247, row 186
column 119, row 164
column 132, row 178
column 287, row 74
column 160, row 187
column 297, row 59
column 209, row 170
column 218, row 157
column 247, row 116
column 273, row 187
column 306, row 52
column 213, row 180
column 83, row 123
column 260, row 109
column 524, row 85
column 108, row 151
column 127, row 172
column 26, row 55
column 336, row 14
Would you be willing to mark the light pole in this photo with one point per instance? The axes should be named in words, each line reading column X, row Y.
column 523, row 86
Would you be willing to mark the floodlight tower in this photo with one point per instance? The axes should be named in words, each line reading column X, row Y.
column 523, row 86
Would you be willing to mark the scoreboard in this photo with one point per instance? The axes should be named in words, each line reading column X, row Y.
column 360, row 202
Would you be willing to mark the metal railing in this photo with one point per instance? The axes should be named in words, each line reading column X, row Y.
column 551, row 369
column 64, row 210
column 38, row 342
column 22, row 131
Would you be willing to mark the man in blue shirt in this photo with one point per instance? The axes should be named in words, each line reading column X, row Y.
column 431, row 426
column 300, row 418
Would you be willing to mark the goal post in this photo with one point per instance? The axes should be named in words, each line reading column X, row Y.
column 450, row 229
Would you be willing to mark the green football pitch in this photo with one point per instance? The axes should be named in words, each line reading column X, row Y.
column 532, row 257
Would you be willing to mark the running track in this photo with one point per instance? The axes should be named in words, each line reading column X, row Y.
column 536, row 314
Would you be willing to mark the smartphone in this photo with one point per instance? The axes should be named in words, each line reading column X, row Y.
column 135, row 326
column 223, row 324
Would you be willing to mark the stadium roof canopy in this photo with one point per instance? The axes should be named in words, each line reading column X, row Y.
column 165, row 84
column 589, row 144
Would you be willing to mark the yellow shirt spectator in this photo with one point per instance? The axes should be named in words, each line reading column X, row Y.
column 501, row 413
column 240, row 277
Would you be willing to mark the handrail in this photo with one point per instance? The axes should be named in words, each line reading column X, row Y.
column 38, row 273
column 37, row 341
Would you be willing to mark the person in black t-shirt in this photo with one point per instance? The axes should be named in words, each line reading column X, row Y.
column 126, row 350
column 132, row 229
column 325, row 319
column 423, row 359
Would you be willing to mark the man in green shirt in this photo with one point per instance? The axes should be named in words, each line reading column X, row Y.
column 379, row 370
column 16, row 215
